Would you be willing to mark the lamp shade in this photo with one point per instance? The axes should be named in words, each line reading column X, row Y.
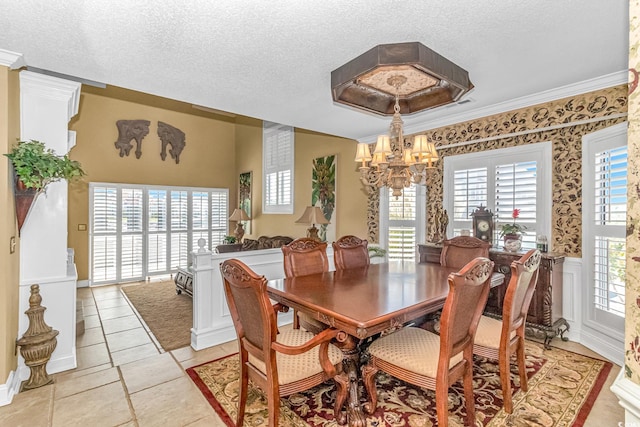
column 420, row 145
column 362, row 152
column 239, row 215
column 312, row 215
column 383, row 145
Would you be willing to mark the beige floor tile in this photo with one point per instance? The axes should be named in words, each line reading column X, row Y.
column 92, row 321
column 114, row 312
column 150, row 372
column 29, row 409
column 121, row 324
column 204, row 356
column 67, row 386
column 90, row 336
column 606, row 409
column 127, row 339
column 84, row 293
column 107, row 292
column 132, row 354
column 230, row 347
column 174, row 403
column 210, row 421
column 89, row 310
column 93, row 355
column 77, row 373
column 102, row 406
column 112, row 302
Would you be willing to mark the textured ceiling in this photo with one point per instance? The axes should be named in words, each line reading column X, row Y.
column 273, row 60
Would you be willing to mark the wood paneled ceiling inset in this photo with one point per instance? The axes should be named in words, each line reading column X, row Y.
column 432, row 80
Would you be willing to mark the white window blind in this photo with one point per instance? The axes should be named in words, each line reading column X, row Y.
column 501, row 180
column 402, row 222
column 277, row 155
column 469, row 192
column 610, row 215
column 137, row 230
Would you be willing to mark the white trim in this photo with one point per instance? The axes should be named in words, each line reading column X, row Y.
column 52, row 88
column 9, row 389
column 573, row 89
column 628, row 394
column 269, row 129
column 11, row 59
column 82, row 284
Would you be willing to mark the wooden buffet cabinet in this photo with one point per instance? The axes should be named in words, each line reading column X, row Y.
column 544, row 319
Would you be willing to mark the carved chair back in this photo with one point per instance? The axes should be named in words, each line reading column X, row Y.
column 305, row 256
column 460, row 250
column 499, row 339
column 254, row 319
column 350, row 252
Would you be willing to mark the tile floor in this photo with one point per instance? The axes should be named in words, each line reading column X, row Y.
column 124, row 378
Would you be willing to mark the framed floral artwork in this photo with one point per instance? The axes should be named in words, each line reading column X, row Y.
column 323, row 194
column 244, row 198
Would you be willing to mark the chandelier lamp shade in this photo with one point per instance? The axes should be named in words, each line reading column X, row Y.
column 239, row 215
column 396, row 162
column 312, row 215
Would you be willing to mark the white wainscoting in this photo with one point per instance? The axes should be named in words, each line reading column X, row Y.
column 212, row 324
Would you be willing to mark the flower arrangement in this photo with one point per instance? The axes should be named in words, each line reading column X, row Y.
column 514, row 228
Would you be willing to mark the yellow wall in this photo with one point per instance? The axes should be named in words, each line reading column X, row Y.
column 9, row 262
column 351, row 199
column 208, row 159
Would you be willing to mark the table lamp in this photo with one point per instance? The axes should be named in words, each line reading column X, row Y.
column 239, row 215
column 312, row 215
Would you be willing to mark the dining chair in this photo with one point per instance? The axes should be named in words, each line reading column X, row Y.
column 500, row 339
column 305, row 256
column 459, row 250
column 280, row 363
column 350, row 252
column 422, row 358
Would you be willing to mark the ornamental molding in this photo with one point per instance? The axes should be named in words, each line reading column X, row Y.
column 11, row 59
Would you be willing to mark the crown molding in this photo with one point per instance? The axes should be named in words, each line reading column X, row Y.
column 11, row 59
column 602, row 82
column 53, row 88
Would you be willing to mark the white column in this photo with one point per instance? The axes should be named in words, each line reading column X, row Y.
column 47, row 104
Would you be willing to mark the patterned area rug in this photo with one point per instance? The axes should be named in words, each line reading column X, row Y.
column 562, row 388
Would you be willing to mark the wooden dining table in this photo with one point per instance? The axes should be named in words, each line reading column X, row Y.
column 363, row 302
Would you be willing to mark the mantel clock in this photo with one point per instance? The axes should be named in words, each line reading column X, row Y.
column 483, row 224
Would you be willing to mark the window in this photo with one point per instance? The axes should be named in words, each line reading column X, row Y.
column 138, row 231
column 277, row 158
column 402, row 221
column 604, row 225
column 501, row 180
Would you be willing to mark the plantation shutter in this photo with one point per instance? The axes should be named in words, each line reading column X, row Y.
column 469, row 192
column 277, row 155
column 402, row 225
column 515, row 188
column 104, row 231
column 157, row 227
column 138, row 231
column 610, row 215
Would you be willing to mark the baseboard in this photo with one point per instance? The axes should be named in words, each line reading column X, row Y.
column 627, row 392
column 604, row 345
column 82, row 284
column 209, row 337
column 54, row 365
column 9, row 389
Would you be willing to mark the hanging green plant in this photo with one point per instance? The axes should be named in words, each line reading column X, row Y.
column 36, row 166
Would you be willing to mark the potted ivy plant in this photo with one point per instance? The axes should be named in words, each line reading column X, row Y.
column 35, row 166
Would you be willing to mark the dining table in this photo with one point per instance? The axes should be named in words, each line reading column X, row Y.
column 362, row 303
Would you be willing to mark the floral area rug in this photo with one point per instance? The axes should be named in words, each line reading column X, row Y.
column 562, row 388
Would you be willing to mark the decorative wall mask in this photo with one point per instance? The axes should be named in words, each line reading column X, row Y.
column 172, row 136
column 128, row 130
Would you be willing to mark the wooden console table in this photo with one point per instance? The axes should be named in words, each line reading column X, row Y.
column 544, row 319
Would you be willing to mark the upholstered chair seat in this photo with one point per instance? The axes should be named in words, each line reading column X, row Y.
column 488, row 333
column 292, row 368
column 413, row 349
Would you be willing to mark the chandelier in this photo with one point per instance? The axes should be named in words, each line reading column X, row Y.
column 391, row 79
column 395, row 163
